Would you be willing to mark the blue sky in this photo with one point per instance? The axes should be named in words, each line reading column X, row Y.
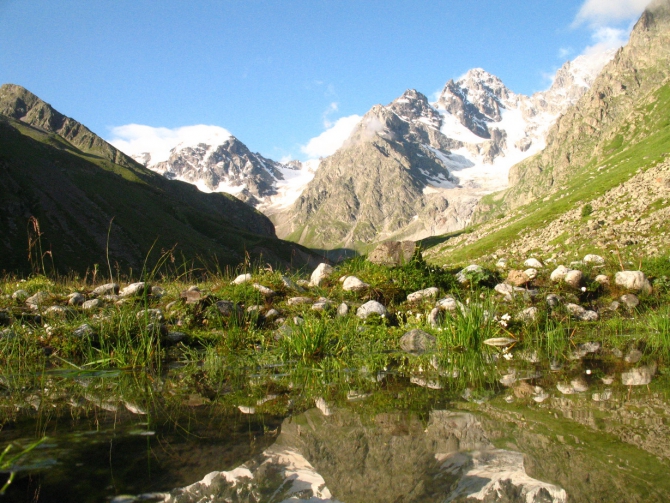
column 279, row 73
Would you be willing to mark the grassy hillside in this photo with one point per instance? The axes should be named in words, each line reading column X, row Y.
column 89, row 208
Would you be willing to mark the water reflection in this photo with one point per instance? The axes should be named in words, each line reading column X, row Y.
column 595, row 429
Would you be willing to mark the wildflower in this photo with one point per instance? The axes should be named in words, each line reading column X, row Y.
column 583, row 289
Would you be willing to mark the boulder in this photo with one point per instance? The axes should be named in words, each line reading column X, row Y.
column 91, row 304
column 559, row 273
column 134, row 289
column 635, row 281
column 462, row 276
column 448, row 303
column 629, row 300
column 106, row 289
column 417, row 342
column 593, row 259
column 423, row 294
column 343, row 309
column 321, row 272
column 353, row 284
column 517, row 278
column 580, row 313
column 76, row 299
column 531, row 273
column 393, row 253
column 573, row 278
column 534, row 263
column 370, row 307
column 602, row 279
column 638, row 377
column 242, row 278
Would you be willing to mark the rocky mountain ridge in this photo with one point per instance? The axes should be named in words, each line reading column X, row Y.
column 413, row 169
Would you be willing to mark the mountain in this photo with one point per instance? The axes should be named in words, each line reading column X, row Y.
column 92, row 202
column 222, row 163
column 413, row 169
column 602, row 184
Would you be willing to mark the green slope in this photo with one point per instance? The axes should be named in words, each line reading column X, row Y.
column 75, row 195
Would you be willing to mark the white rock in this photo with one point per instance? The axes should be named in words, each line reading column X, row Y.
column 264, row 290
column 272, row 314
column 151, row 315
column 38, row 299
column 321, row 404
column 133, row 289
column 423, row 294
column 502, row 263
column 448, row 303
column 638, row 377
column 506, row 290
column 602, row 279
column 106, row 289
column 634, row 281
column 76, row 299
column 559, row 273
column 353, row 284
column 296, row 301
column 343, row 309
column 534, row 263
column 242, row 278
column 593, row 259
column 573, row 278
column 91, row 304
column 461, row 277
column 369, row 308
column 579, row 385
column 20, row 295
column 566, row 389
column 580, row 313
column 321, row 272
column 531, row 273
column 528, row 315
column 56, row 311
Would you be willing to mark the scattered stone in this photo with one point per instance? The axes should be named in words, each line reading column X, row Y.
column 191, row 296
column 462, row 276
column 56, row 311
column 244, row 409
column 540, row 395
column 228, row 308
column 435, row 317
column 154, row 315
column 91, row 304
column 614, row 305
column 321, row 404
column 20, row 295
column 602, row 397
column 640, row 376
column 423, row 294
column 353, row 284
column 109, row 298
column 393, row 253
column 500, row 342
column 528, row 315
column 602, row 279
column 448, row 303
column 553, row 300
column 371, row 307
column 629, row 300
column 573, row 278
column 271, row 315
column 255, row 309
column 106, row 289
column 517, row 278
column 321, row 272
column 635, row 281
column 580, row 313
column 566, row 389
column 298, row 320
column 559, row 273
column 425, row 383
column 84, row 330
column 303, row 283
column 322, row 305
column 288, row 283
column 193, row 288
column 585, row 349
column 175, row 337
column 534, row 263
column 242, row 278
column 76, row 299
column 296, row 301
column 343, row 309
column 607, row 379
column 508, row 379
column 157, row 291
column 633, row 356
column 593, row 259
column 134, row 289
column 267, row 292
column 417, row 342
column 502, row 263
column 507, row 291
column 579, row 385
column 38, row 299
column 531, row 273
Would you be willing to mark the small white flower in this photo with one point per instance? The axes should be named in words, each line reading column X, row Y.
column 508, row 356
column 583, row 289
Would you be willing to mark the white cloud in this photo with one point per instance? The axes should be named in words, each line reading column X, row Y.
column 136, row 139
column 332, row 138
column 564, row 52
column 604, row 12
column 606, row 38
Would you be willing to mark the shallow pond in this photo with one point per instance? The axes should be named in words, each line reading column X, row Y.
column 520, row 430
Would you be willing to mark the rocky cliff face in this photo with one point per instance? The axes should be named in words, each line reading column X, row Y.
column 597, row 124
column 412, row 169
